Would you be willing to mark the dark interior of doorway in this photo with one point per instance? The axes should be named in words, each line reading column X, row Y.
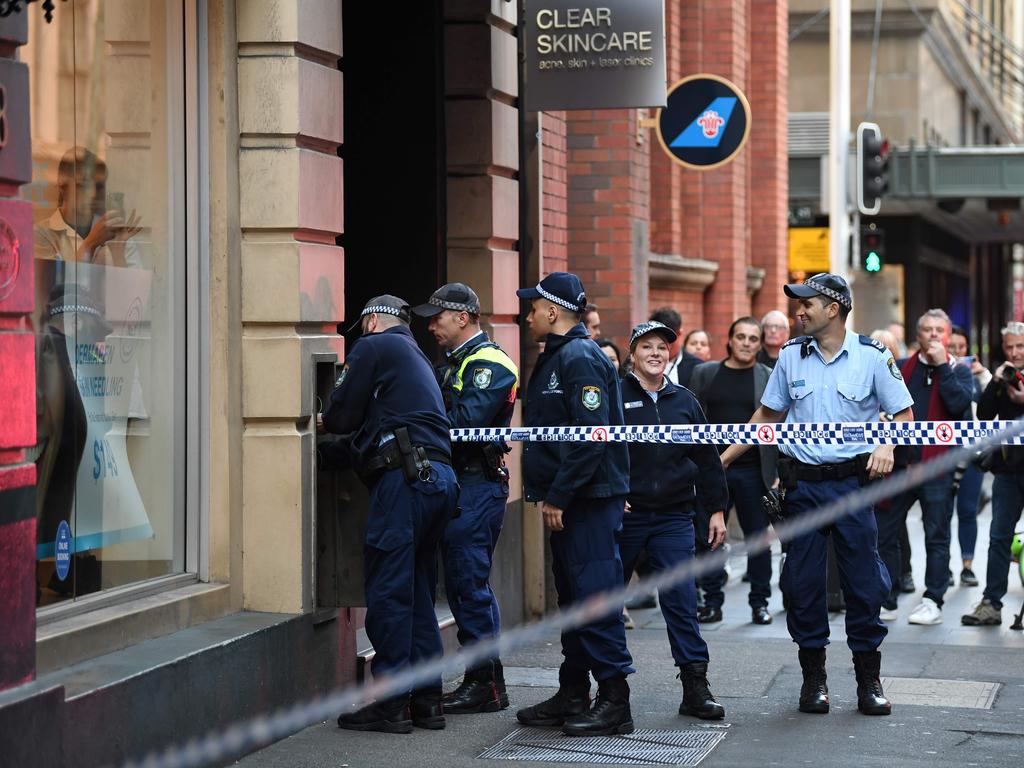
column 393, row 152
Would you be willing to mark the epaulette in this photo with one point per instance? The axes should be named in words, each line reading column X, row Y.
column 797, row 340
column 867, row 341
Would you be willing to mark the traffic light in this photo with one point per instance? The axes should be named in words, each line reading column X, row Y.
column 872, row 249
column 872, row 168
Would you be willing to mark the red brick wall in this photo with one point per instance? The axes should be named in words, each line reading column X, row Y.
column 555, row 193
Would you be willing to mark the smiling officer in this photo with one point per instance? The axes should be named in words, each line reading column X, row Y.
column 832, row 375
column 479, row 385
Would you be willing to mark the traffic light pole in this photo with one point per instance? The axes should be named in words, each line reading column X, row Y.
column 839, row 137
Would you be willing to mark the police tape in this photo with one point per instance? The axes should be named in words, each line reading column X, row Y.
column 949, row 433
column 218, row 747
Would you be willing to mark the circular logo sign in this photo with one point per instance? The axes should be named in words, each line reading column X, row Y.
column 10, row 259
column 705, row 123
column 600, row 435
column 62, row 550
column 943, row 433
column 766, row 433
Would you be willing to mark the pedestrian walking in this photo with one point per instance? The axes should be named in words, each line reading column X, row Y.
column 387, row 402
column 581, row 488
column 832, row 375
column 479, row 384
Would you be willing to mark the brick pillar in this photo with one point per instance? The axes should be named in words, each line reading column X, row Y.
column 291, row 208
column 17, row 370
column 554, row 194
column 769, row 167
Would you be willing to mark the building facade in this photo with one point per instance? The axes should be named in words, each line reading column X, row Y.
column 211, row 190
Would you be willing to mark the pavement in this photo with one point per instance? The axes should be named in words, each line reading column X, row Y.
column 958, row 697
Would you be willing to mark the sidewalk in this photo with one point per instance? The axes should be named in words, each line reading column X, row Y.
column 756, row 676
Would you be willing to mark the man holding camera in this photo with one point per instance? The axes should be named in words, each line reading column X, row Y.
column 1003, row 398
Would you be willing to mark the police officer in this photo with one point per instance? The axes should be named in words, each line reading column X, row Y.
column 582, row 489
column 479, row 386
column 665, row 481
column 832, row 375
column 388, row 405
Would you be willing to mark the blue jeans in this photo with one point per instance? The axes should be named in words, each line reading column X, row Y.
column 1007, row 501
column 967, row 500
column 667, row 537
column 936, row 497
column 745, row 491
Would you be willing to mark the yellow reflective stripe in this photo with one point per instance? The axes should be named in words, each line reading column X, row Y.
column 490, row 355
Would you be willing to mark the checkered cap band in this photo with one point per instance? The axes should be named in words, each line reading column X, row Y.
column 826, row 291
column 456, row 306
column 383, row 309
column 560, row 301
column 84, row 309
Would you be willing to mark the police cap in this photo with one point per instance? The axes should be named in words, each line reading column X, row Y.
column 825, row 284
column 561, row 288
column 455, row 296
column 384, row 305
column 652, row 326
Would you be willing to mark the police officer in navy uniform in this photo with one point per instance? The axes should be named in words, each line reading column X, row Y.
column 479, row 386
column 581, row 487
column 665, row 481
column 832, row 375
column 388, row 406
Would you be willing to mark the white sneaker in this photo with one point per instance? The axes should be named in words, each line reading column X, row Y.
column 887, row 614
column 928, row 612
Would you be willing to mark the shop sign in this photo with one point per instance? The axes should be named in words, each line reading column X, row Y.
column 705, row 123
column 808, row 249
column 62, row 550
column 15, row 147
column 607, row 54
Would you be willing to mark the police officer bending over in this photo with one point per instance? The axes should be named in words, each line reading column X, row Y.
column 581, row 488
column 665, row 481
column 387, row 403
column 479, row 388
column 832, row 375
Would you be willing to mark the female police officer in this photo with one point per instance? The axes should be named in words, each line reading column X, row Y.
column 664, row 483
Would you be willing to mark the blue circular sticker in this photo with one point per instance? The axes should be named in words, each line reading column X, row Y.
column 62, row 550
column 705, row 123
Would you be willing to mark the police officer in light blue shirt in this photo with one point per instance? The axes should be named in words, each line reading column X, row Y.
column 832, row 375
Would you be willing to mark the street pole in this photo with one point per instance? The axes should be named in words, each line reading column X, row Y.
column 839, row 137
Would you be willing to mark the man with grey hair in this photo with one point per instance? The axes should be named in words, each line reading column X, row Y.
column 942, row 391
column 774, row 333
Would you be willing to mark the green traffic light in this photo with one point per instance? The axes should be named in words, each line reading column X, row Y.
column 873, row 262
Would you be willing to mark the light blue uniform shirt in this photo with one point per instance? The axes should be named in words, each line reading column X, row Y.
column 861, row 380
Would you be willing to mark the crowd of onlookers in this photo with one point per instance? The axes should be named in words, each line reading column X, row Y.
column 948, row 383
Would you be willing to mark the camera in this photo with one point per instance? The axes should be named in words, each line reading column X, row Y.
column 1011, row 375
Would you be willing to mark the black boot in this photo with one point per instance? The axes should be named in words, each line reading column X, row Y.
column 870, row 697
column 610, row 714
column 390, row 716
column 426, row 709
column 697, row 698
column 478, row 692
column 572, row 699
column 814, row 692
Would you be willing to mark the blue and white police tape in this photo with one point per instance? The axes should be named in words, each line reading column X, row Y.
column 951, row 433
column 217, row 747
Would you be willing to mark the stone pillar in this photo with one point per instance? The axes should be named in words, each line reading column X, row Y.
column 17, row 369
column 290, row 185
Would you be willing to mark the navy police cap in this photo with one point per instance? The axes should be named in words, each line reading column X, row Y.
column 455, row 296
column 652, row 326
column 561, row 288
column 823, row 284
column 384, row 305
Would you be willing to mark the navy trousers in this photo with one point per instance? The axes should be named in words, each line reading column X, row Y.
column 667, row 536
column 405, row 524
column 585, row 561
column 1007, row 503
column 468, row 549
column 864, row 579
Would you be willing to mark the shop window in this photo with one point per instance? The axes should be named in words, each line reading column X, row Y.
column 108, row 127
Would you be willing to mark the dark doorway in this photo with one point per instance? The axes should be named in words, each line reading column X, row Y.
column 394, row 154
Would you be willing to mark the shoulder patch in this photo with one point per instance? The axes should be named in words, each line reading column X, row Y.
column 894, row 369
column 797, row 340
column 482, row 377
column 867, row 341
column 341, row 378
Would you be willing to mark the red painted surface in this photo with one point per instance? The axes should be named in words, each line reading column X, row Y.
column 18, row 405
column 17, row 601
column 16, row 273
column 17, row 477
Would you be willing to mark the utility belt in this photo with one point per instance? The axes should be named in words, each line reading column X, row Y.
column 400, row 453
column 487, row 460
column 792, row 471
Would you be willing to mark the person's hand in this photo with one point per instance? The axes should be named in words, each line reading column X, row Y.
column 726, row 458
column 131, row 227
column 935, row 353
column 552, row 516
column 320, row 428
column 1000, row 373
column 104, row 229
column 627, row 508
column 880, row 463
column 1015, row 392
column 716, row 530
column 976, row 367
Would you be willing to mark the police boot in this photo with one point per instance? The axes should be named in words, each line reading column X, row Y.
column 479, row 691
column 697, row 698
column 814, row 692
column 426, row 709
column 610, row 714
column 389, row 716
column 572, row 699
column 870, row 697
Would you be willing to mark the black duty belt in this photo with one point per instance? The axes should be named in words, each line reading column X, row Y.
column 815, row 473
column 393, row 460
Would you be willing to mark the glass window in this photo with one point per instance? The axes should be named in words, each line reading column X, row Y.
column 108, row 128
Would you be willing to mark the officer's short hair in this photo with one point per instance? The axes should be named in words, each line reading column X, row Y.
column 669, row 317
column 938, row 314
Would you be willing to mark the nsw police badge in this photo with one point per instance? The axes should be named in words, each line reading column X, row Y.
column 481, row 378
column 894, row 369
column 591, row 398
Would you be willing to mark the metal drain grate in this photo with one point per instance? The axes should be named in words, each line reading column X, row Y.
column 643, row 747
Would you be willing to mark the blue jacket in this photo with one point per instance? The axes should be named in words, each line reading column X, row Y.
column 387, row 382
column 573, row 384
column 664, row 475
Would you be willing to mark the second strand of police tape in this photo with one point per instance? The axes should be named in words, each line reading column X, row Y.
column 218, row 746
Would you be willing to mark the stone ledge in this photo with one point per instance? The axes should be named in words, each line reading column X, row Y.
column 667, row 270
